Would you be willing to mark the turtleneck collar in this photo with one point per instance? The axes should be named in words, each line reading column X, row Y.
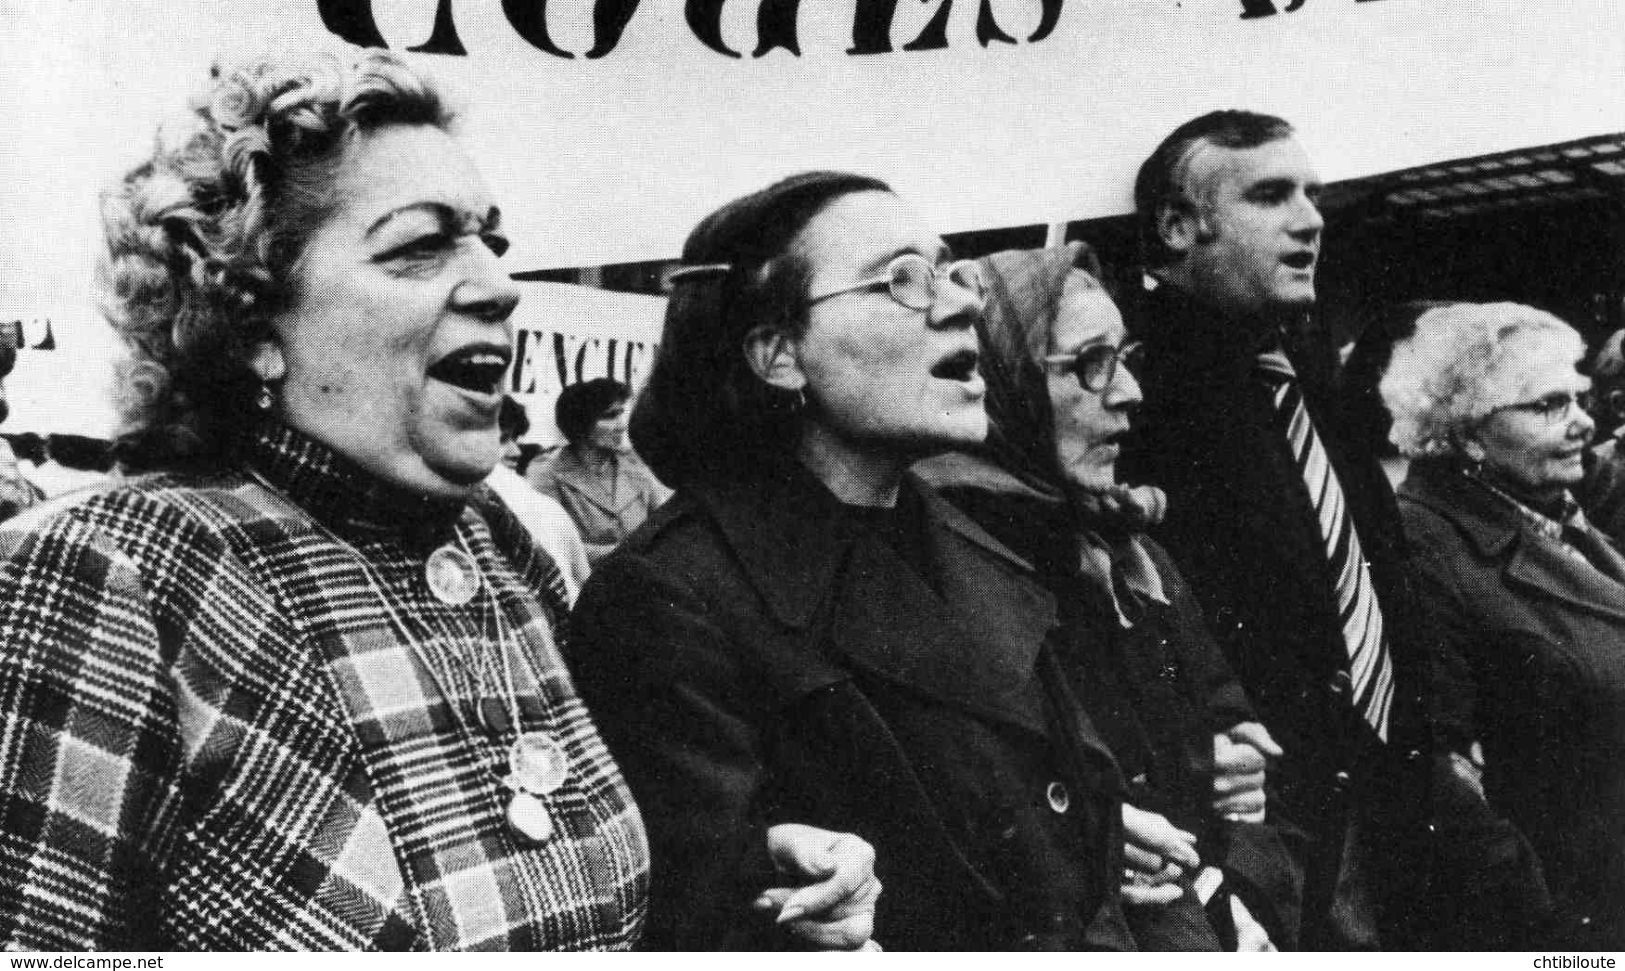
column 340, row 494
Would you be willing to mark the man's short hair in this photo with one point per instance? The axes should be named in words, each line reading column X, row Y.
column 1161, row 182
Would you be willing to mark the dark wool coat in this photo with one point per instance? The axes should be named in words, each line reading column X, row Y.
column 1157, row 692
column 1243, row 530
column 1533, row 666
column 755, row 656
column 234, row 717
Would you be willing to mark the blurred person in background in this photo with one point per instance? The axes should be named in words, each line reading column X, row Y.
column 17, row 491
column 1529, row 677
column 596, row 476
column 72, row 462
column 550, row 526
column 1602, row 494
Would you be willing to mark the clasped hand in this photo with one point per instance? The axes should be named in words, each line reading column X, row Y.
column 836, row 911
column 1156, row 854
column 1240, row 756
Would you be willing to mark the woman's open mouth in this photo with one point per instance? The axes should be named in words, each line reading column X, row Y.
column 958, row 366
column 477, row 368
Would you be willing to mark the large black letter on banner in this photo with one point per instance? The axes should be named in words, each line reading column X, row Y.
column 444, row 39
column 351, row 20
column 775, row 25
column 988, row 29
column 609, row 20
column 705, row 20
column 871, row 28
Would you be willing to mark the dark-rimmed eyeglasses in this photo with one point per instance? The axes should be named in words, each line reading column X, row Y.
column 914, row 281
column 1095, row 367
column 1554, row 407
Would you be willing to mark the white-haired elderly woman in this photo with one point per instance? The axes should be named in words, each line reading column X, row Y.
column 1530, row 600
column 299, row 687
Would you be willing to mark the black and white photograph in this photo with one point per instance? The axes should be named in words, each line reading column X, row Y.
column 812, row 475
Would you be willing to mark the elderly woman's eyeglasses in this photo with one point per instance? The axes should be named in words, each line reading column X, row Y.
column 1095, row 367
column 914, row 281
column 1554, row 407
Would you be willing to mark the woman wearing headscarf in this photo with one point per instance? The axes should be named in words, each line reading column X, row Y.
column 299, row 685
column 1530, row 600
column 803, row 631
column 596, row 477
column 1204, row 867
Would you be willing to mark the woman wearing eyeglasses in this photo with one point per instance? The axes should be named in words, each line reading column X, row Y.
column 1203, row 865
column 804, row 632
column 1531, row 604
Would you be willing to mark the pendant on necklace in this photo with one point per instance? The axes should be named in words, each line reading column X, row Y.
column 536, row 764
column 529, row 817
column 453, row 576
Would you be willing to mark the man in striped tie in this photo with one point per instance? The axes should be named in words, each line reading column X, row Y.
column 1291, row 542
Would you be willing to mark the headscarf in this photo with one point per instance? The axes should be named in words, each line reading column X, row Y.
column 1020, row 458
column 1023, row 302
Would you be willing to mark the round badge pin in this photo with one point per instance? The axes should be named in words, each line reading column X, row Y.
column 453, row 576
column 537, row 764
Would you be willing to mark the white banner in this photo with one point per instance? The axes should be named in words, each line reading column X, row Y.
column 565, row 334
column 608, row 127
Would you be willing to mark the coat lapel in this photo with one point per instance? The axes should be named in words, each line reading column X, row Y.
column 972, row 643
column 888, row 622
column 1530, row 561
column 1548, row 571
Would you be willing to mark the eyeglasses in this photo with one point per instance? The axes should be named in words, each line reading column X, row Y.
column 1096, row 367
column 1554, row 407
column 914, row 281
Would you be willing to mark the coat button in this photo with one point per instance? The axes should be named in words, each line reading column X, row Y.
column 1341, row 780
column 1059, row 799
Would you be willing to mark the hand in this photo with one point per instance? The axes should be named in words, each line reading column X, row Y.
column 1240, row 756
column 1469, row 768
column 1156, row 853
column 836, row 910
column 1251, row 937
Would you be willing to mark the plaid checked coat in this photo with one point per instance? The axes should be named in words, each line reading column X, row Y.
column 233, row 716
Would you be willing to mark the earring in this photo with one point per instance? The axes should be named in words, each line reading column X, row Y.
column 264, row 400
column 801, row 401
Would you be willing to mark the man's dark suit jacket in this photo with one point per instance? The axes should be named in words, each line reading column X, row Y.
column 1242, row 527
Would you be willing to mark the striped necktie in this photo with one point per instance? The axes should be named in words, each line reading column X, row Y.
column 1371, row 670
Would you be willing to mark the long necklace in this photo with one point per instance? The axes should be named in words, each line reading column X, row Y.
column 537, row 764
